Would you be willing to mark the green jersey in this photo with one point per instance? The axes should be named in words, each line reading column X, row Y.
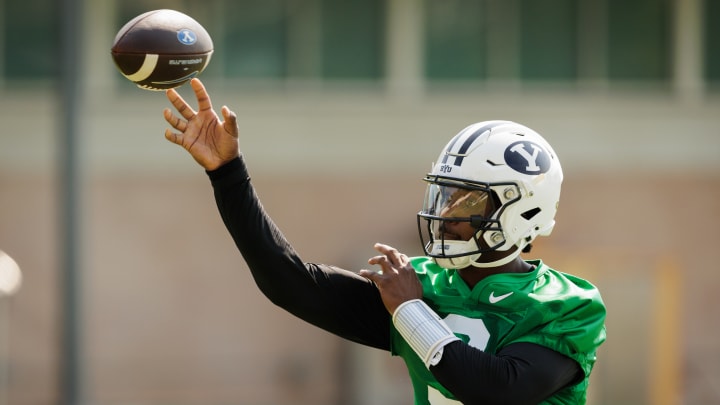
column 544, row 307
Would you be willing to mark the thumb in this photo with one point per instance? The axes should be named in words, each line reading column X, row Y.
column 230, row 121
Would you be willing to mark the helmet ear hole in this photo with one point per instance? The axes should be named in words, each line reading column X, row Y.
column 496, row 202
column 530, row 213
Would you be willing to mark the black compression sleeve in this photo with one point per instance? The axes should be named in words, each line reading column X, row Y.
column 521, row 373
column 334, row 299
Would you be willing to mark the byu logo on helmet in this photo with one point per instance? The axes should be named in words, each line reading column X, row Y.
column 186, row 37
column 527, row 158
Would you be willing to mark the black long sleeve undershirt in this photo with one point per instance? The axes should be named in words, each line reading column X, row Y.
column 345, row 304
column 520, row 373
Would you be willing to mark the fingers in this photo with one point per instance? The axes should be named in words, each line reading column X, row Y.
column 397, row 282
column 370, row 275
column 392, row 255
column 390, row 261
column 204, row 102
column 175, row 122
column 383, row 248
column 173, row 137
column 385, row 265
column 180, row 105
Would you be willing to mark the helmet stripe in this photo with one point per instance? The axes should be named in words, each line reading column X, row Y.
column 451, row 145
column 459, row 155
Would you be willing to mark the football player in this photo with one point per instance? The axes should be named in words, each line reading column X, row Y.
column 473, row 321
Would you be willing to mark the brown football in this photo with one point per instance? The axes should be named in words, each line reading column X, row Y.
column 161, row 49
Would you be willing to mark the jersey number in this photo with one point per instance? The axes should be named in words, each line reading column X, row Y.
column 473, row 328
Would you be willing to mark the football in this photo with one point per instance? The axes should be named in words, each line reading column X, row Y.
column 161, row 49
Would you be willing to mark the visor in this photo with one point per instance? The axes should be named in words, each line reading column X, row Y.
column 445, row 201
column 448, row 201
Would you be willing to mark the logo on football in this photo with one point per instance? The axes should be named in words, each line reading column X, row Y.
column 186, row 37
column 161, row 49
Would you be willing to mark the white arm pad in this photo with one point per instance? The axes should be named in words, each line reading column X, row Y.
column 423, row 329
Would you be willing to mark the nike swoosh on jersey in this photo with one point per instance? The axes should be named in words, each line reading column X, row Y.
column 495, row 299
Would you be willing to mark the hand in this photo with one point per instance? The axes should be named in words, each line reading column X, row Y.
column 211, row 142
column 397, row 282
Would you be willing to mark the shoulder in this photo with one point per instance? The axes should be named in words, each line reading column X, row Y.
column 555, row 286
column 576, row 307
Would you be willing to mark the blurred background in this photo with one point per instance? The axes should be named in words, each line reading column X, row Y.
column 133, row 292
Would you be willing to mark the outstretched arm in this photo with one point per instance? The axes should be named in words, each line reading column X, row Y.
column 336, row 300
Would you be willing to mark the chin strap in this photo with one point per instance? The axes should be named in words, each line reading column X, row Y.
column 499, row 262
column 524, row 248
column 471, row 259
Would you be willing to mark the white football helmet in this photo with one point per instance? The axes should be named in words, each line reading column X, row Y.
column 501, row 177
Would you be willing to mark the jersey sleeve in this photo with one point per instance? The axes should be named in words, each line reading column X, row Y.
column 578, row 325
column 336, row 300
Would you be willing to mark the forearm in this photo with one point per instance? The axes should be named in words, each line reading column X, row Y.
column 272, row 260
column 334, row 299
column 521, row 373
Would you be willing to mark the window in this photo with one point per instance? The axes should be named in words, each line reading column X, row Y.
column 501, row 39
column 468, row 40
column 276, row 39
column 549, row 39
column 353, row 37
column 712, row 40
column 31, row 35
column 455, row 38
column 532, row 40
column 254, row 40
column 639, row 39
